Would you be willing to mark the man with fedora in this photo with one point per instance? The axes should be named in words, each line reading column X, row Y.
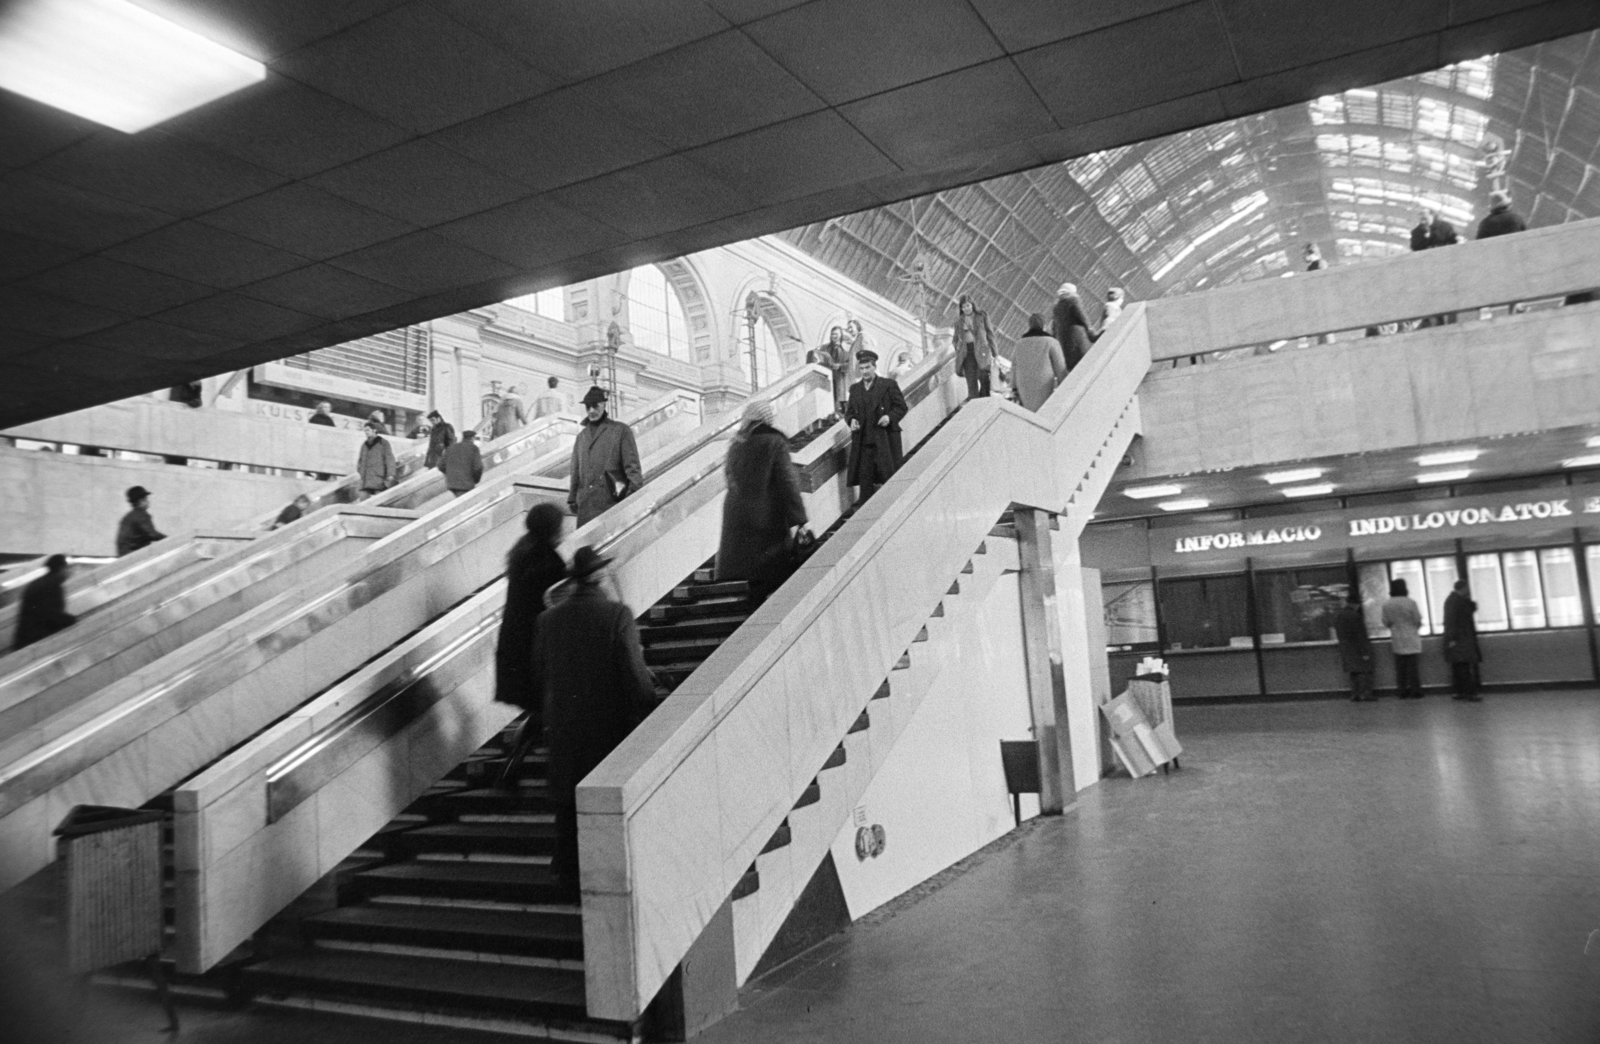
column 874, row 412
column 596, row 689
column 441, row 436
column 136, row 529
column 605, row 460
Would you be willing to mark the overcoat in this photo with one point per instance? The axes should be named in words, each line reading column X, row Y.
column 1355, row 646
column 977, row 324
column 43, row 611
column 1037, row 368
column 596, row 686
column 605, row 467
column 1460, row 629
column 866, row 405
column 375, row 467
column 462, row 466
column 762, row 504
column 510, row 416
column 1500, row 221
column 136, row 530
column 1404, row 620
column 441, row 438
column 1071, row 329
column 531, row 570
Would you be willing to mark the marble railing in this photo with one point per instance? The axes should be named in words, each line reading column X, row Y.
column 1543, row 263
column 672, row 819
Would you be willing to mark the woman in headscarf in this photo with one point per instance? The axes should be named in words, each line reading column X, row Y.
column 1037, row 365
column 533, row 567
column 1070, row 326
column 763, row 505
column 974, row 346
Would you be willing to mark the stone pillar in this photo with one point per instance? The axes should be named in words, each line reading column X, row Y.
column 1042, row 647
column 453, row 377
column 1085, row 667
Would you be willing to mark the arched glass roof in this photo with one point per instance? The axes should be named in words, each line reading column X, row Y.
column 1237, row 200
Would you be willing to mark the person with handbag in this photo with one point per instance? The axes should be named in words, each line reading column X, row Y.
column 763, row 514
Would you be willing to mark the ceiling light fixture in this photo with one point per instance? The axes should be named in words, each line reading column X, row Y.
column 1192, row 504
column 1320, row 489
column 1591, row 460
column 1151, row 492
column 1278, row 478
column 1460, row 456
column 114, row 62
column 1429, row 477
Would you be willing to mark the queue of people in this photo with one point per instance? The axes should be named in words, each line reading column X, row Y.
column 1403, row 617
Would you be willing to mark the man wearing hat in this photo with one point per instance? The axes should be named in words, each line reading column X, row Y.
column 605, row 461
column 596, row 689
column 1501, row 219
column 441, row 436
column 874, row 412
column 136, row 529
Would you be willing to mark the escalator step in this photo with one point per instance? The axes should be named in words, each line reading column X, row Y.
column 861, row 724
column 835, row 759
column 809, row 796
column 780, row 838
column 524, row 883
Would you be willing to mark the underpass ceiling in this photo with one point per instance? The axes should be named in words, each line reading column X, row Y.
column 405, row 160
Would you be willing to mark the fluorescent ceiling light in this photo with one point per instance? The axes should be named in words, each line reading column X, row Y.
column 1192, row 504
column 1443, row 476
column 114, row 62
column 1460, row 456
column 1277, row 478
column 1148, row 492
column 1318, row 490
column 1590, row 461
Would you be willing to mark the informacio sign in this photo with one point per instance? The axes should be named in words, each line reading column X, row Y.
column 1502, row 514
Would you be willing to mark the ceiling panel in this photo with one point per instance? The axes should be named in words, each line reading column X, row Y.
column 155, row 169
column 22, row 256
column 801, row 157
column 324, row 290
column 59, row 213
column 202, row 254
column 102, row 282
column 221, row 314
column 531, row 233
column 423, row 262
column 47, row 315
column 1270, row 36
column 654, row 197
column 307, row 221
column 1024, row 24
column 420, row 183
column 148, row 339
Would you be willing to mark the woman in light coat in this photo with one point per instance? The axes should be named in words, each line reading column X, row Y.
column 1037, row 365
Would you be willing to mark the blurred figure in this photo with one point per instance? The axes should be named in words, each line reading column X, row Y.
column 1038, row 365
column 763, row 507
column 1441, row 232
column 1070, row 326
column 836, row 357
column 323, row 415
column 1461, row 643
column 441, row 436
column 377, row 418
column 1355, row 647
column 1501, row 219
column 587, row 656
column 532, row 568
column 874, row 413
column 974, row 342
column 1313, row 257
column 511, row 415
column 462, row 465
column 1116, row 300
column 903, row 366
column 605, row 460
column 1422, row 231
column 1404, row 620
column 855, row 342
column 375, row 467
column 137, row 529
column 44, row 604
column 293, row 513
column 551, row 402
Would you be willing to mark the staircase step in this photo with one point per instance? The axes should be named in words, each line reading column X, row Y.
column 499, row 838
column 483, row 801
column 779, row 839
column 722, row 589
column 883, row 691
column 809, row 796
column 558, row 936
column 524, row 883
column 388, row 985
column 717, row 627
column 667, row 613
column 694, row 649
column 748, row 884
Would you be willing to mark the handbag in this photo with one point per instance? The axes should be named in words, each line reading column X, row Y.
column 799, row 545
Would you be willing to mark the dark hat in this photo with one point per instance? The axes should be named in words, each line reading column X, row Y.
column 866, row 355
column 586, row 562
column 436, row 413
column 593, row 395
column 469, row 433
column 137, row 493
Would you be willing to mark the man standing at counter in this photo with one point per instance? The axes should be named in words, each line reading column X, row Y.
column 1461, row 643
column 1355, row 647
column 1404, row 620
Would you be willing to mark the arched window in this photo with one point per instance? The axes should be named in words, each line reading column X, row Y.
column 655, row 315
column 772, row 360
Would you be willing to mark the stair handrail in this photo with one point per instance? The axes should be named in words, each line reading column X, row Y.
column 648, row 896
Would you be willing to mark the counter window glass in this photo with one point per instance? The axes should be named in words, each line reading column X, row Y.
column 1374, row 580
column 1483, row 576
column 1523, row 590
column 1591, row 556
column 1205, row 612
column 1441, row 574
column 1130, row 611
column 1410, row 570
column 1297, row 605
column 1558, row 568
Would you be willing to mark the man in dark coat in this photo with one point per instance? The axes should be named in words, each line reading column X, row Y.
column 441, row 436
column 763, row 505
column 605, row 461
column 533, row 567
column 293, row 513
column 596, row 689
column 1461, row 643
column 1501, row 220
column 1070, row 326
column 137, row 529
column 323, row 415
column 44, row 604
column 462, row 464
column 874, row 412
column 375, row 466
column 1355, row 647
column 1422, row 231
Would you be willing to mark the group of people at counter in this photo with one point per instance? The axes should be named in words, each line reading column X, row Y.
column 1403, row 617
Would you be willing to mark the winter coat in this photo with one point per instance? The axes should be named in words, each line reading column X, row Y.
column 1421, row 236
column 834, row 358
column 441, row 438
column 375, row 468
column 1500, row 221
column 865, row 406
column 1355, row 646
column 1038, row 366
column 321, row 418
column 44, row 609
column 136, row 530
column 1071, row 329
column 763, row 503
column 1442, row 233
column 462, row 466
column 1460, row 629
column 531, row 571
column 509, row 417
column 596, row 686
column 976, row 326
column 605, row 467
column 1404, row 621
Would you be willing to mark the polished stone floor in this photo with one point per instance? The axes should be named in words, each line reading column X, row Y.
column 1322, row 871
